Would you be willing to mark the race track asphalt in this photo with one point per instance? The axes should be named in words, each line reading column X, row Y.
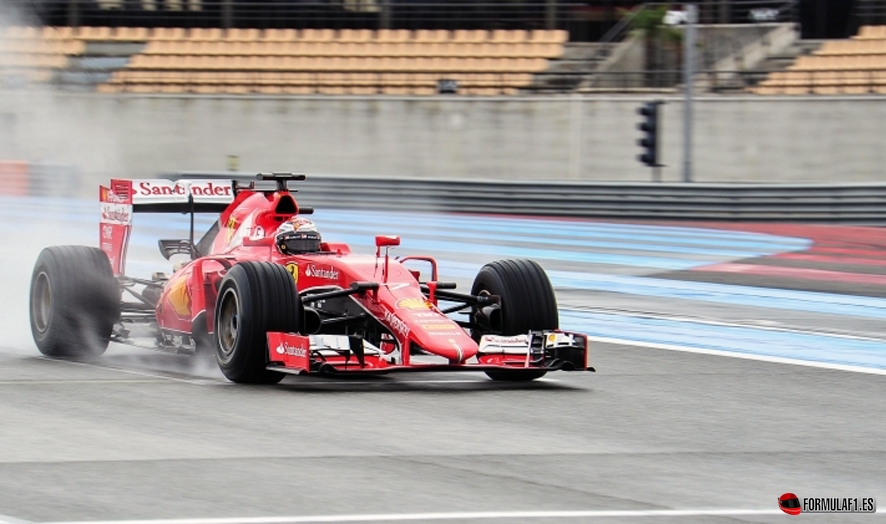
column 137, row 435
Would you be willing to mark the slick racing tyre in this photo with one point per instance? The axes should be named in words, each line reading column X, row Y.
column 75, row 301
column 527, row 303
column 253, row 298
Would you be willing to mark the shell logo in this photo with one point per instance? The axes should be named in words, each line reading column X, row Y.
column 179, row 298
column 413, row 303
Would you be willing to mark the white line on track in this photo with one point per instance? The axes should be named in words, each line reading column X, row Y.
column 746, row 356
column 722, row 323
column 507, row 515
column 91, row 382
column 5, row 519
column 128, row 371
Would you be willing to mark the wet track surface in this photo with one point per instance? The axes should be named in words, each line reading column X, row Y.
column 139, row 435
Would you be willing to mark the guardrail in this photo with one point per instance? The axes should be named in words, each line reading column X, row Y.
column 843, row 204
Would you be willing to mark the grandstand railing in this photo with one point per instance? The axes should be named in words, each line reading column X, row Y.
column 586, row 20
column 316, row 81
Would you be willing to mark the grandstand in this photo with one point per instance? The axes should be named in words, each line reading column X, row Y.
column 362, row 48
column 855, row 66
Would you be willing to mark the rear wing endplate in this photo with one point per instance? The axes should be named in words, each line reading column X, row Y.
column 122, row 198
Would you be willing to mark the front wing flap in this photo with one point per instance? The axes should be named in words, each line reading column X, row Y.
column 550, row 350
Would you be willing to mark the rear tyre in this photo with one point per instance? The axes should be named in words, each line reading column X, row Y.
column 253, row 298
column 74, row 301
column 527, row 303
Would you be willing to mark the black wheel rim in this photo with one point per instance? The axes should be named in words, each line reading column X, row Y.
column 228, row 328
column 41, row 300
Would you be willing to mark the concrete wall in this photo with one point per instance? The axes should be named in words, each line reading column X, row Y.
column 743, row 139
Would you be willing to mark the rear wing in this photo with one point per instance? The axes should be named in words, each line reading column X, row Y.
column 122, row 198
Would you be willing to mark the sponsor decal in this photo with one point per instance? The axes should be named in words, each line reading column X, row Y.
column 396, row 324
column 559, row 339
column 438, row 327
column 424, row 315
column 107, row 232
column 110, row 196
column 179, row 298
column 413, row 303
column 292, row 268
column 211, row 189
column 230, row 229
column 122, row 190
column 446, row 333
column 294, row 351
column 171, row 191
column 329, row 273
column 520, row 340
column 107, row 246
column 148, row 188
column 116, row 213
column 258, row 233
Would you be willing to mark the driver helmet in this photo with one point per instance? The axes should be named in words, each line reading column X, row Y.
column 298, row 235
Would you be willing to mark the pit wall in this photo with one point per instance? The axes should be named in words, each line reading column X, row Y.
column 737, row 139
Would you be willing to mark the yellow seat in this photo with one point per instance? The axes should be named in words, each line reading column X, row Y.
column 22, row 33
column 431, row 35
column 57, row 33
column 168, row 33
column 354, row 35
column 470, row 35
column 280, row 35
column 872, row 31
column 318, row 35
column 242, row 35
column 94, row 33
column 505, row 36
column 206, row 34
column 546, row 36
column 131, row 34
column 392, row 35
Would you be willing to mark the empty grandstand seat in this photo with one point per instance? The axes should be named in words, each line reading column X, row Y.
column 872, row 31
column 168, row 33
column 242, row 35
column 431, row 35
column 206, row 34
column 318, row 35
column 351, row 60
column 280, row 35
column 131, row 34
column 470, row 35
column 392, row 35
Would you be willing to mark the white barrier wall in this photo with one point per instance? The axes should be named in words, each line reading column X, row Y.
column 737, row 139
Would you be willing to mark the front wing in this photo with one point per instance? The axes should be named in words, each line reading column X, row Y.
column 330, row 354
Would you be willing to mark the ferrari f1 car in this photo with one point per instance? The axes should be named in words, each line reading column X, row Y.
column 263, row 293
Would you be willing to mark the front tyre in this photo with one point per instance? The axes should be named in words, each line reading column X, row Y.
column 74, row 301
column 527, row 304
column 253, row 298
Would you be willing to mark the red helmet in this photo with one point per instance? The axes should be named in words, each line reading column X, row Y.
column 789, row 503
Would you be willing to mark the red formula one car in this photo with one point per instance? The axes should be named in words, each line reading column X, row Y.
column 268, row 297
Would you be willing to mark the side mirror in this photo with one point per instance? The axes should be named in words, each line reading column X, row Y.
column 386, row 240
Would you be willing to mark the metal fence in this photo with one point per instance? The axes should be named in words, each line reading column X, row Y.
column 824, row 203
column 586, row 20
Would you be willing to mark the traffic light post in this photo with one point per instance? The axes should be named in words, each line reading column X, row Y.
column 649, row 142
